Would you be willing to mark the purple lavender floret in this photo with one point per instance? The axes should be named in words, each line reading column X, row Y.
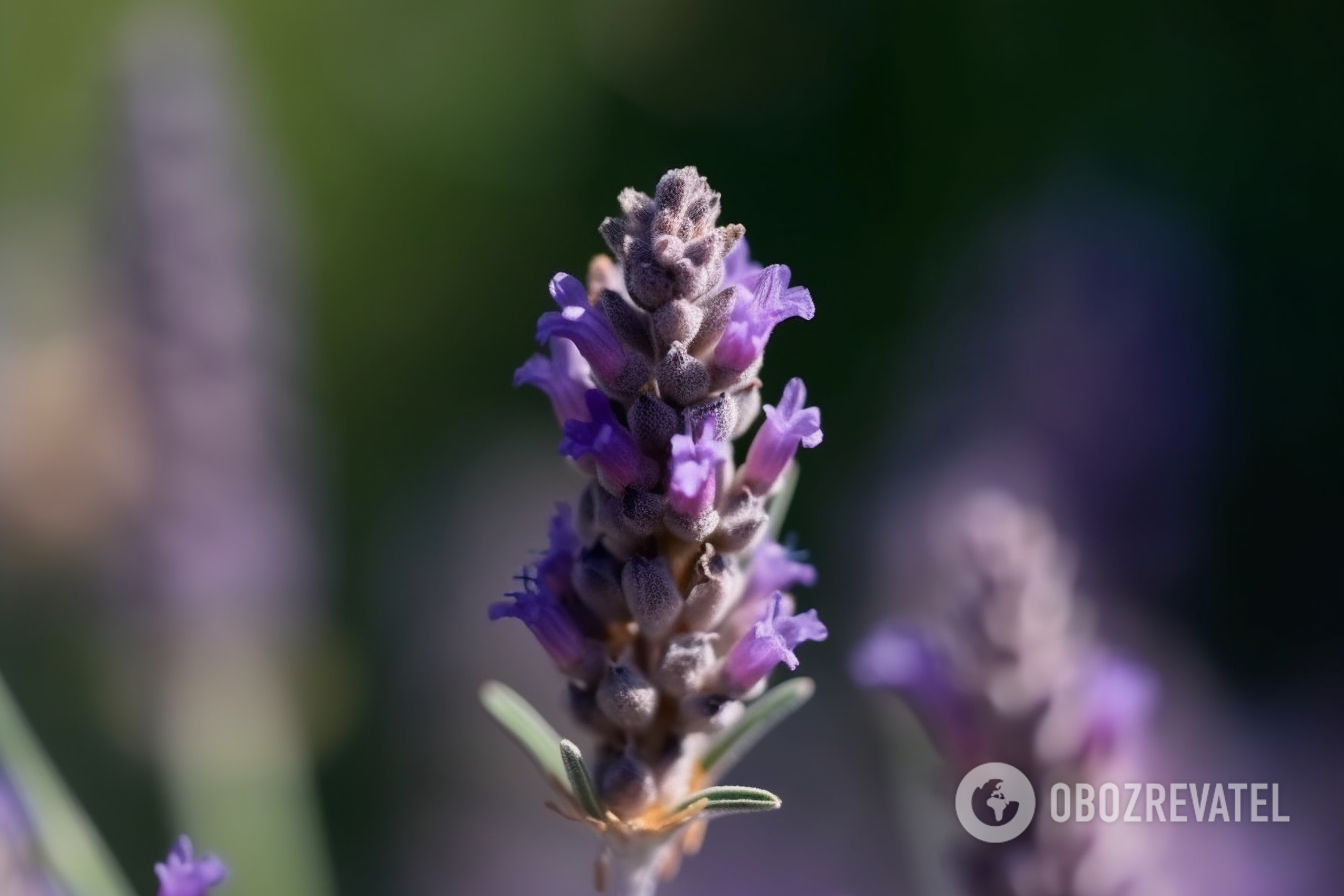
column 660, row 595
column 786, row 427
column 185, row 874
column 578, row 322
column 770, row 643
column 760, row 303
column 564, row 376
column 739, row 269
column 619, row 461
column 694, row 469
column 778, row 568
column 550, row 621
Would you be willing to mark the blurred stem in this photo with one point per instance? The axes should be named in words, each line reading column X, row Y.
column 236, row 761
column 632, row 868
column 70, row 845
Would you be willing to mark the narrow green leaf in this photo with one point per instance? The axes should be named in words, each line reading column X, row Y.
column 767, row 712
column 533, row 733
column 731, row 800
column 579, row 780
column 779, row 503
column 69, row 842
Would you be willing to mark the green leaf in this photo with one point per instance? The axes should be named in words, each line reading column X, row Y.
column 579, row 781
column 69, row 842
column 780, row 501
column 731, row 800
column 767, row 712
column 533, row 733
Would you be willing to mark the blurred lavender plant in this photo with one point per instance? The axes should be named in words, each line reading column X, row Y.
column 1010, row 672
column 664, row 599
column 221, row 546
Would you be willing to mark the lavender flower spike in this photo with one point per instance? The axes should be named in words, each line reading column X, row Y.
column 755, row 314
column 786, row 427
column 770, row 643
column 643, row 598
column 565, row 376
column 183, row 874
column 695, row 463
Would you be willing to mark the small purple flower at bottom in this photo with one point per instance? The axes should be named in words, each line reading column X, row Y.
column 770, row 642
column 785, row 428
column 185, row 875
column 758, row 308
column 612, row 447
column 565, row 376
column 553, row 625
column 694, row 465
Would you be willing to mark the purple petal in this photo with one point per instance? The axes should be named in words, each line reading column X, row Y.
column 694, row 463
column 610, row 444
column 785, row 428
column 770, row 642
column 565, row 376
column 184, row 875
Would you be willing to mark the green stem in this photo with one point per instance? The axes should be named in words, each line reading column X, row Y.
column 70, row 845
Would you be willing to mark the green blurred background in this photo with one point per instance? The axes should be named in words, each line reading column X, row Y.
column 443, row 159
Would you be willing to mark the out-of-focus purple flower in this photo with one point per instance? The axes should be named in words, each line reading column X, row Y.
column 610, row 444
column 785, row 428
column 183, row 874
column 550, row 621
column 555, row 566
column 564, row 376
column 1120, row 697
column 694, row 464
column 755, row 314
column 768, row 644
column 579, row 323
column 905, row 660
column 778, row 568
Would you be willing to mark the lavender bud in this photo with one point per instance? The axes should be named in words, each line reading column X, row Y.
column 642, row 512
column 651, row 595
column 625, row 784
column 677, row 321
column 653, row 422
column 743, row 522
column 630, row 323
column 715, row 313
column 714, row 590
column 686, row 663
column 582, row 701
column 720, row 409
column 597, row 580
column 708, row 713
column 682, row 379
column 626, row 698
column 668, row 246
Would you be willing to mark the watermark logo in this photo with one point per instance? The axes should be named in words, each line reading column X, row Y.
column 995, row 802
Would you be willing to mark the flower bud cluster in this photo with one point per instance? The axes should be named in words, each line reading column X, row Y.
column 661, row 595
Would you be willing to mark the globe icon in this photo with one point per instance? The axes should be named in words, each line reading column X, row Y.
column 991, row 804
